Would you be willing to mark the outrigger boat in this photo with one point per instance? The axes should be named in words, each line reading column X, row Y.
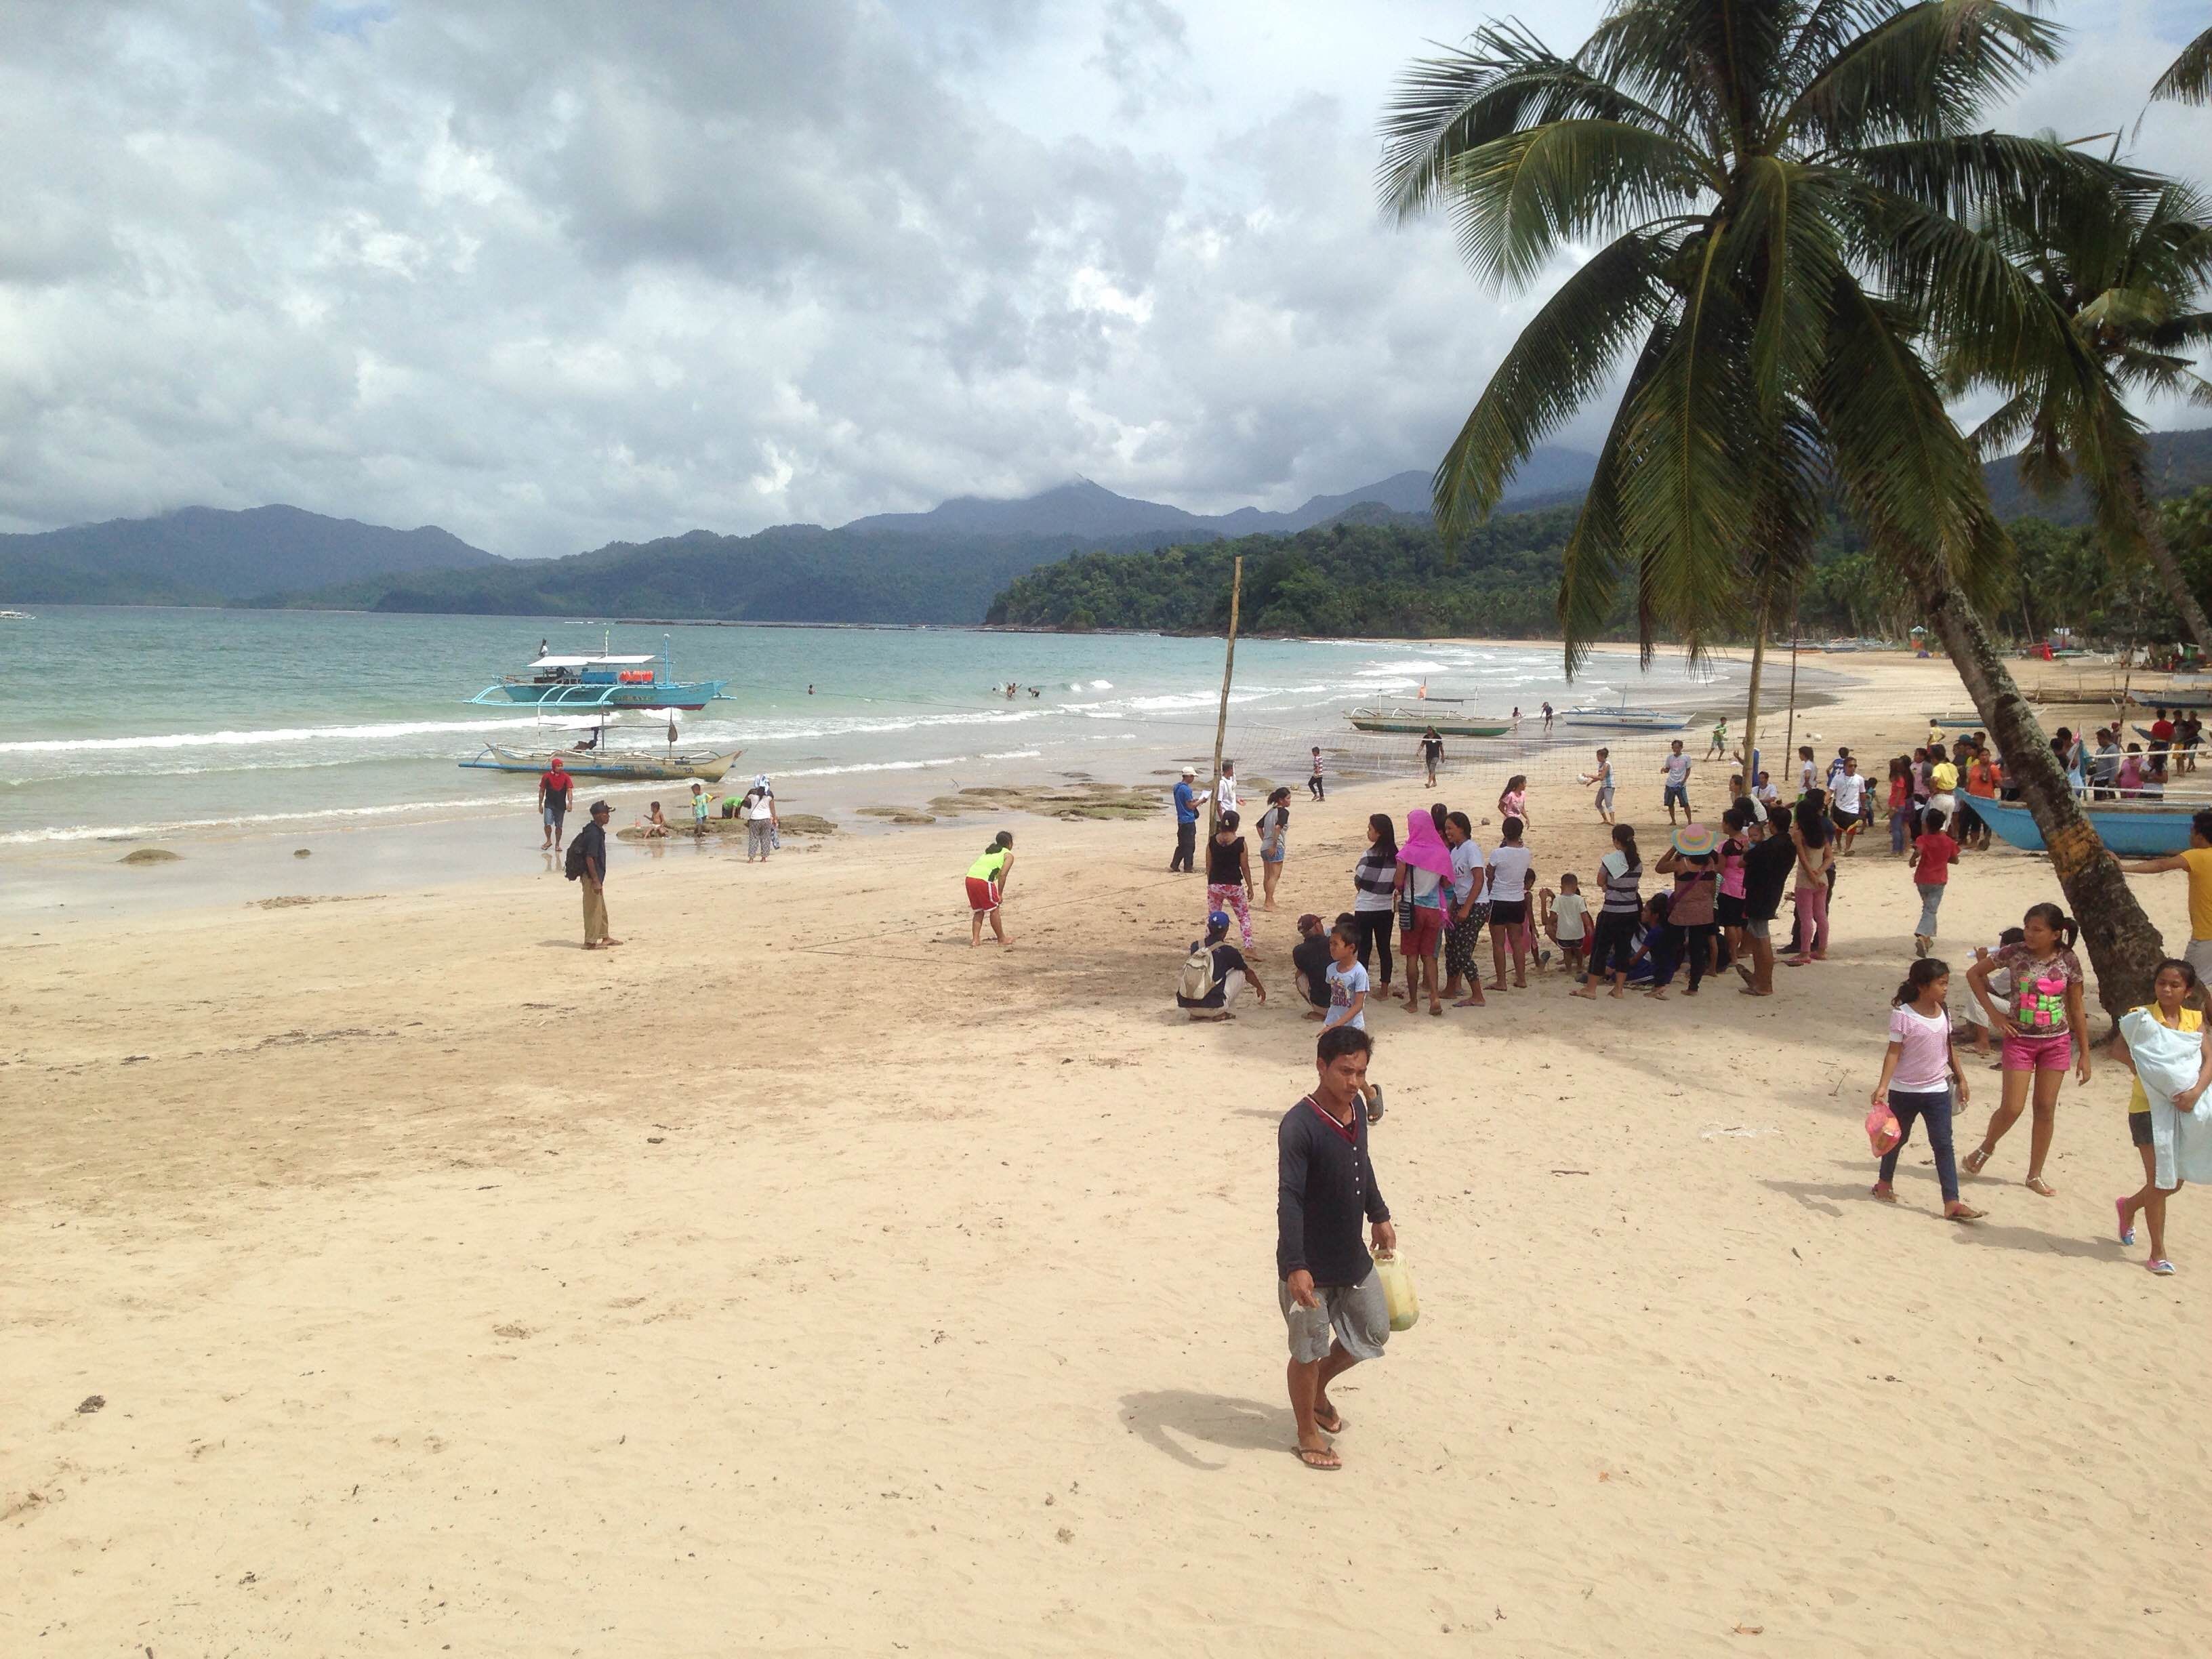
column 2133, row 829
column 607, row 692
column 1627, row 719
column 590, row 757
column 1412, row 722
column 604, row 681
column 1968, row 721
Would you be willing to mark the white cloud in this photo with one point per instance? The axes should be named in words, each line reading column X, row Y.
column 550, row 272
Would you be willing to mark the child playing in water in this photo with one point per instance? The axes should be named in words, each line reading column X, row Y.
column 1918, row 1074
column 654, row 823
column 1566, row 920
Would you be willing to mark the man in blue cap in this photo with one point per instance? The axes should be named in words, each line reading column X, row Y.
column 1215, row 974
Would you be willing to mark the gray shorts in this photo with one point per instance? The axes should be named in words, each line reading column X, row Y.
column 1357, row 1314
column 2198, row 955
column 1756, row 929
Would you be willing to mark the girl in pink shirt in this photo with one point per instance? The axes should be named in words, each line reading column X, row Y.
column 1917, row 1076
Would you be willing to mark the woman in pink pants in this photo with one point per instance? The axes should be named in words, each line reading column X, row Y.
column 1815, row 840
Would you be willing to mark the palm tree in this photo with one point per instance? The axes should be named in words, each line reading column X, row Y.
column 2123, row 275
column 1777, row 192
column 2189, row 77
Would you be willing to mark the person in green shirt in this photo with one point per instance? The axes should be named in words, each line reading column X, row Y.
column 1720, row 739
column 986, row 888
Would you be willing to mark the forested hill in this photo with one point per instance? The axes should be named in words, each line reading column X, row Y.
column 791, row 573
column 209, row 555
column 1375, row 572
column 1370, row 573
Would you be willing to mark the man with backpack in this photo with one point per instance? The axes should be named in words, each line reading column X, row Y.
column 587, row 863
column 1215, row 974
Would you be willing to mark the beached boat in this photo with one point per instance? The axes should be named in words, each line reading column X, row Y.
column 603, row 681
column 1623, row 718
column 1969, row 721
column 587, row 748
column 1412, row 720
column 642, row 767
column 2134, row 829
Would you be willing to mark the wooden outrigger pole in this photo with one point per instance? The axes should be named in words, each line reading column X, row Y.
column 1221, row 721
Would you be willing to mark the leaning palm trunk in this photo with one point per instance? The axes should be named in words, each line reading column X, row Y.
column 2125, row 949
column 1751, row 698
column 2193, row 619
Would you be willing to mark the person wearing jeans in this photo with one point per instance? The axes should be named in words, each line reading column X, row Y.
column 1917, row 1076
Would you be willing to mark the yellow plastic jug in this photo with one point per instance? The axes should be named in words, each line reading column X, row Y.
column 1398, row 1290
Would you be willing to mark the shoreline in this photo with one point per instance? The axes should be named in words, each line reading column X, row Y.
column 444, row 1283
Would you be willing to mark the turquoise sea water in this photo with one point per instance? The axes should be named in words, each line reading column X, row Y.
column 150, row 722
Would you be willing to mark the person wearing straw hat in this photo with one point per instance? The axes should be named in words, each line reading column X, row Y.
column 1693, row 860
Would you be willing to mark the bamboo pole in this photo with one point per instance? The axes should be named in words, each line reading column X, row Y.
column 1221, row 721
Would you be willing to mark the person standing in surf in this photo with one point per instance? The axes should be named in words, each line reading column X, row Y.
column 553, row 789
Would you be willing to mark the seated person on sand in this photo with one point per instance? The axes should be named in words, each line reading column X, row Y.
column 1310, row 961
column 1215, row 974
column 654, row 823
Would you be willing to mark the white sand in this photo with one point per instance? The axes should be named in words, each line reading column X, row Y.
column 795, row 1280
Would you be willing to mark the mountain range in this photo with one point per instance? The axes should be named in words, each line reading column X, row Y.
column 942, row 566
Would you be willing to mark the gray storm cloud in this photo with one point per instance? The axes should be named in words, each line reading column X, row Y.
column 549, row 274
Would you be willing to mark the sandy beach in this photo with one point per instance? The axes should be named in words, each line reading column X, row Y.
column 797, row 1279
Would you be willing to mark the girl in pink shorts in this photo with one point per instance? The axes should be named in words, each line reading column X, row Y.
column 2044, row 1028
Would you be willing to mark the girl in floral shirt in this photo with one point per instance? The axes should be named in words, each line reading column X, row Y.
column 2045, row 1030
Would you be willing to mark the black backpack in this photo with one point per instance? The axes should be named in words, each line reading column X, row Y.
column 573, row 867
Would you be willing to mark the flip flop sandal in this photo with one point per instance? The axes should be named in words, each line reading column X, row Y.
column 1977, row 1161
column 1968, row 1214
column 2040, row 1188
column 2161, row 1266
column 2127, row 1233
column 1334, row 1426
column 1308, row 1453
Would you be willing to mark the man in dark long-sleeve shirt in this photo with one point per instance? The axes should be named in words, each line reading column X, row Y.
column 1330, row 1296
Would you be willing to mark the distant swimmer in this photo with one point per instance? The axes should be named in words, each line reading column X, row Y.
column 1036, row 691
column 810, row 690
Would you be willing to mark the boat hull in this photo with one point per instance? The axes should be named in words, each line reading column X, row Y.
column 2134, row 832
column 590, row 695
column 1442, row 728
column 633, row 769
column 1618, row 719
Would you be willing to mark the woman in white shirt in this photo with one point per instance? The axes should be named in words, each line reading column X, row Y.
column 1509, row 871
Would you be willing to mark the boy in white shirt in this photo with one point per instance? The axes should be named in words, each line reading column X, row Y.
column 1566, row 919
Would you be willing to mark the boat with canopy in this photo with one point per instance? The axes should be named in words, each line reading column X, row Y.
column 604, row 680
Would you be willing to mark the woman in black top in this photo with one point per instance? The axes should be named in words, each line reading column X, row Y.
column 1229, row 874
column 1374, row 880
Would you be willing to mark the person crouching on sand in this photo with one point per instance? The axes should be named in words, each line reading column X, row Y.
column 2173, row 986
column 1330, row 1295
column 986, row 888
column 1918, row 1075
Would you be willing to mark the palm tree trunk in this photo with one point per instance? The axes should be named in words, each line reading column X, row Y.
column 1751, row 701
column 2169, row 570
column 2123, row 948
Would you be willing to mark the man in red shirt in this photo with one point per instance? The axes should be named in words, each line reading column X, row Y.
column 553, row 789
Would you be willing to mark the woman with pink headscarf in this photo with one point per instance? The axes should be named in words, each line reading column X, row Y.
column 1424, row 872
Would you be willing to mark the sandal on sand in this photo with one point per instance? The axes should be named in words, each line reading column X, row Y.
column 1335, row 1425
column 2127, row 1233
column 1319, row 1457
column 1965, row 1212
column 2160, row 1266
column 2039, row 1187
column 1374, row 1103
column 1885, row 1192
column 1977, row 1161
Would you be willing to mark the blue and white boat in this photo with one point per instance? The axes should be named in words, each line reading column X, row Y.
column 2133, row 829
column 555, row 681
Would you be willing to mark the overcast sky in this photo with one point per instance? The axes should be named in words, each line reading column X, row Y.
column 549, row 273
